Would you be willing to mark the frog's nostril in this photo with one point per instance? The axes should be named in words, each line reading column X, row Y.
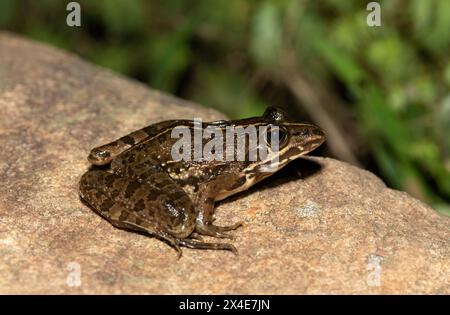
column 317, row 131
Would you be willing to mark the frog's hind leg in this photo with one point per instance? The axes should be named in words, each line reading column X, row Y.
column 125, row 204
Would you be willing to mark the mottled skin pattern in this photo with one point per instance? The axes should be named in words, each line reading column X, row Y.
column 135, row 184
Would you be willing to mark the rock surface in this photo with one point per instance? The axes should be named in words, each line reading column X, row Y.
column 335, row 229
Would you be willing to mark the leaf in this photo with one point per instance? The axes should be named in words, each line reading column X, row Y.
column 7, row 10
column 115, row 58
column 266, row 35
column 168, row 57
column 342, row 64
column 229, row 92
column 121, row 16
column 392, row 53
column 431, row 23
column 384, row 121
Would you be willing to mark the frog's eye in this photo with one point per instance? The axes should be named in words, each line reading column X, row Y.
column 277, row 132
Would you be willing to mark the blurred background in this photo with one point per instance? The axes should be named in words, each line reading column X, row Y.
column 381, row 93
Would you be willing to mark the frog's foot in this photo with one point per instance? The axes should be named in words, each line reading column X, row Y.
column 191, row 243
column 216, row 231
column 173, row 242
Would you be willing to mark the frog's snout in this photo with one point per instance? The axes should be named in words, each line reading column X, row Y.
column 317, row 137
column 319, row 134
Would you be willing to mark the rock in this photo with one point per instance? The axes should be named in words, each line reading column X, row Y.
column 334, row 229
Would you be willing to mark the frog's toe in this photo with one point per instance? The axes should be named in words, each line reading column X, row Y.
column 212, row 230
column 220, row 234
column 228, row 227
column 179, row 251
column 191, row 243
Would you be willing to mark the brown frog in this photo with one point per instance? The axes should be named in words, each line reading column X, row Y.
column 136, row 184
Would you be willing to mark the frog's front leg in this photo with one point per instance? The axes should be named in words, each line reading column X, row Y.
column 204, row 204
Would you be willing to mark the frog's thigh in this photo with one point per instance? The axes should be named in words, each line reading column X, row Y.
column 132, row 205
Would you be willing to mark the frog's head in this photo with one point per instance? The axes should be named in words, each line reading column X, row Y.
column 294, row 140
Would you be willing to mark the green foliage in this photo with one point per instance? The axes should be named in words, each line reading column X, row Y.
column 7, row 9
column 229, row 54
column 266, row 35
column 121, row 16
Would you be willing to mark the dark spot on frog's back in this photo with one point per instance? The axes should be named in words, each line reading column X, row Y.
column 98, row 194
column 131, row 188
column 139, row 206
column 150, row 130
column 109, row 180
column 106, row 205
column 152, row 195
column 177, row 195
column 128, row 140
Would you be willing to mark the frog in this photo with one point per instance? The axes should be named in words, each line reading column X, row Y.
column 136, row 184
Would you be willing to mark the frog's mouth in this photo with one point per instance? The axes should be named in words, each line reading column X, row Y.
column 277, row 160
